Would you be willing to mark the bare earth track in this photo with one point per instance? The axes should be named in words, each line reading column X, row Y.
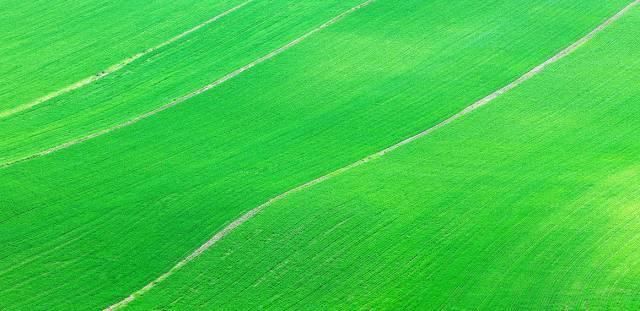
column 118, row 66
column 469, row 109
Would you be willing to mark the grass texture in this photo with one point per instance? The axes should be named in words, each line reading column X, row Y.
column 46, row 45
column 86, row 226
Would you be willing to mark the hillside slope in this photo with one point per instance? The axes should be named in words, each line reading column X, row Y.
column 85, row 226
column 529, row 203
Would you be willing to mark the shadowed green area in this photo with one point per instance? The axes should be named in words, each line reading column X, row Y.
column 529, row 203
column 84, row 227
column 47, row 45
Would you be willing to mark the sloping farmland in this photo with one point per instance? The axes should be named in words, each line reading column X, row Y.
column 531, row 202
column 163, row 76
column 106, row 187
column 48, row 45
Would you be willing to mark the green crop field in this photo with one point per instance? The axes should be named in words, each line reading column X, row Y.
column 335, row 154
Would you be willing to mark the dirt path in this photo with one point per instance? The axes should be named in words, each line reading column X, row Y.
column 190, row 95
column 118, row 66
column 244, row 218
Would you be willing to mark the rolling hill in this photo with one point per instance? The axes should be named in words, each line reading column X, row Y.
column 515, row 188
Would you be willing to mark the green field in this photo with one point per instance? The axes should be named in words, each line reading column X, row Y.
column 47, row 46
column 527, row 203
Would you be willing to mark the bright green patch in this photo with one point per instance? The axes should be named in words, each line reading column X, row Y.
column 88, row 225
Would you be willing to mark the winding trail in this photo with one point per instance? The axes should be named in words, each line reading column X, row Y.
column 197, row 92
column 469, row 109
column 116, row 67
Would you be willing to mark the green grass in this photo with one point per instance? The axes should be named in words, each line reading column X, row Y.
column 529, row 203
column 47, row 45
column 86, row 226
column 164, row 75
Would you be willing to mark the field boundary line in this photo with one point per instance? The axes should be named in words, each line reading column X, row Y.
column 469, row 109
column 118, row 66
column 197, row 92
